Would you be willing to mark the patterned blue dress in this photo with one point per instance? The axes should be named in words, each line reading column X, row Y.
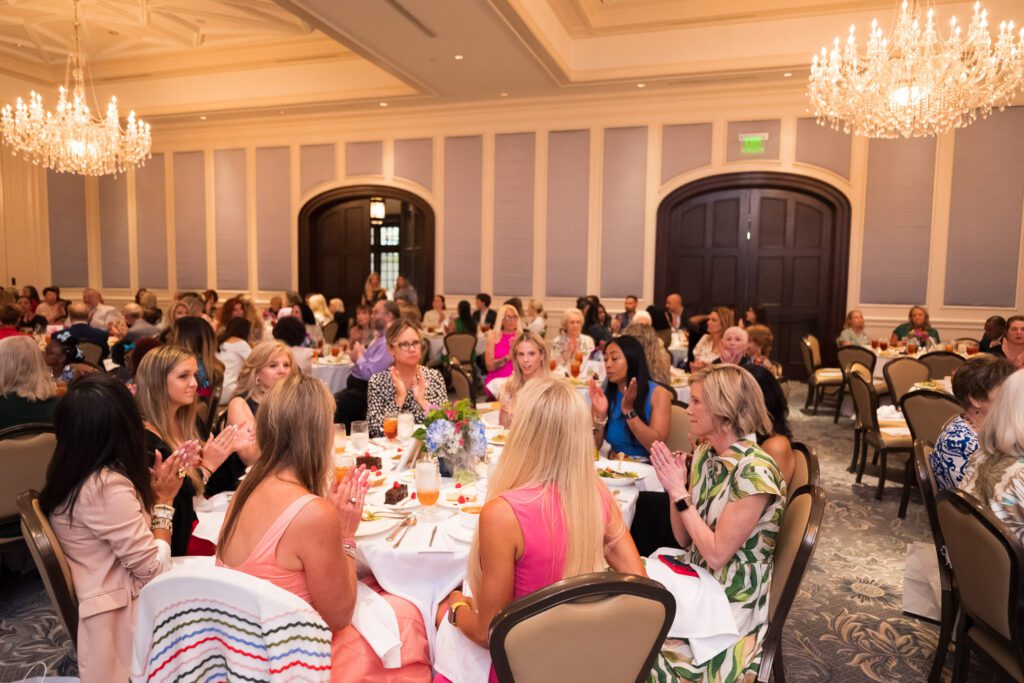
column 953, row 449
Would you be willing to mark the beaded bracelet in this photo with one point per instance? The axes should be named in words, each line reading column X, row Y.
column 164, row 524
column 349, row 546
column 161, row 511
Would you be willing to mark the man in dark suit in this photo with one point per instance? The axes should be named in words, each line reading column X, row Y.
column 78, row 316
column 483, row 315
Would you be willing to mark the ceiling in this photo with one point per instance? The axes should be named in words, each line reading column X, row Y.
column 169, row 59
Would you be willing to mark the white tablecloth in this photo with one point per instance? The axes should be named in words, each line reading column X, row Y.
column 334, row 375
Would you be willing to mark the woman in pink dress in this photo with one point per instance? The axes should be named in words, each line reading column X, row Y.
column 544, row 486
column 285, row 526
column 498, row 358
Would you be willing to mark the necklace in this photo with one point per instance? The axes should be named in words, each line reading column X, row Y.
column 970, row 421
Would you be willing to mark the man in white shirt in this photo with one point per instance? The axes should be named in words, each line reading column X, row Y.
column 100, row 314
column 674, row 311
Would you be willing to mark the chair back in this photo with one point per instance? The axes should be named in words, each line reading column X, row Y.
column 941, row 363
column 665, row 336
column 808, row 357
column 330, row 331
column 815, row 346
column 460, row 345
column 461, row 384
column 865, row 400
column 679, row 429
column 805, row 468
column 798, row 535
column 987, row 561
column 50, row 561
column 927, row 413
column 968, row 340
column 901, row 374
column 264, row 633
column 25, row 453
column 848, row 355
column 612, row 624
column 93, row 353
column 929, row 492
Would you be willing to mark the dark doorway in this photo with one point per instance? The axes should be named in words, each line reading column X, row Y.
column 340, row 243
column 773, row 239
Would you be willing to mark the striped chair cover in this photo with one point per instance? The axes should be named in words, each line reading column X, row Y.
column 202, row 623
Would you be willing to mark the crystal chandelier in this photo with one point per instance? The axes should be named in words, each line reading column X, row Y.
column 71, row 139
column 917, row 84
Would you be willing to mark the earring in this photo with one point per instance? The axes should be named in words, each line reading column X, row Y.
column 257, row 381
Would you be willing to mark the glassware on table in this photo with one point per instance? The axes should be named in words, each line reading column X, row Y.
column 553, row 364
column 342, row 464
column 972, row 348
column 343, row 344
column 406, row 426
column 578, row 357
column 335, row 350
column 340, row 435
column 874, row 344
column 883, row 345
column 390, row 426
column 316, row 354
column 360, row 435
column 949, row 348
column 575, row 368
column 428, row 486
column 911, row 347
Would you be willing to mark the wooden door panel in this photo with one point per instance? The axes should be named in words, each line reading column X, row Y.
column 771, row 221
column 806, row 274
column 770, row 280
column 689, row 229
column 725, row 225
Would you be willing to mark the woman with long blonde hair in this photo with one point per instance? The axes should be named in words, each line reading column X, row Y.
column 543, row 489
column 266, row 365
column 318, row 304
column 26, row 387
column 372, row 291
column 288, row 526
column 530, row 361
column 165, row 394
column 659, row 362
column 498, row 356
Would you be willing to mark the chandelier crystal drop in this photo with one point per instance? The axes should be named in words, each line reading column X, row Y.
column 71, row 139
column 916, row 84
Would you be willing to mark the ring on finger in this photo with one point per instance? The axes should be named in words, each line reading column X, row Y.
column 352, row 501
column 181, row 473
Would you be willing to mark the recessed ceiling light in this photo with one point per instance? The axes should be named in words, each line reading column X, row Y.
column 282, row 111
column 459, row 58
column 203, row 117
column 788, row 74
column 641, row 85
column 383, row 104
column 504, row 94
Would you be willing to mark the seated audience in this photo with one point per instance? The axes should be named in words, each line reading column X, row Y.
column 372, row 291
column 1011, row 347
column 410, row 312
column 100, row 314
column 659, row 362
column 778, row 442
column 595, row 325
column 572, row 341
column 252, row 314
column 633, row 411
column 26, row 387
column 996, row 474
column 151, row 312
column 406, row 386
column 51, row 307
column 853, row 333
column 32, row 294
column 917, row 327
column 498, row 356
column 78, row 317
column 268, row 363
column 337, row 309
column 292, row 332
column 234, row 349
column 196, row 336
column 314, row 333
column 232, row 308
column 516, row 303
column 529, row 361
column 726, row 507
column 166, row 391
column 361, row 331
column 674, row 312
column 65, row 360
column 754, row 315
column 760, row 348
column 643, row 318
column 275, row 305
column 995, row 328
column 369, row 360
column 210, row 299
column 547, row 517
column 709, row 346
column 30, row 321
column 735, row 342
column 110, row 505
column 435, row 318
column 138, row 326
column 318, row 305
column 462, row 322
column 623, row 320
column 483, row 316
column 189, row 306
column 536, row 319
column 976, row 384
column 286, row 525
column 10, row 316
column 405, row 292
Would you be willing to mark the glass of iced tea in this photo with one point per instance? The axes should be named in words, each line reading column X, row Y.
column 342, row 464
column 972, row 348
column 428, row 486
column 335, row 350
column 911, row 347
column 883, row 345
column 553, row 364
column 575, row 368
column 316, row 354
column 391, row 426
column 874, row 344
column 340, row 435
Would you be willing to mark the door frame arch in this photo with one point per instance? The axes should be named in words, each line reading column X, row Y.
column 336, row 195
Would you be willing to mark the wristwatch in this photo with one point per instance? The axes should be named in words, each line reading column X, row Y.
column 453, row 608
column 684, row 502
column 631, row 414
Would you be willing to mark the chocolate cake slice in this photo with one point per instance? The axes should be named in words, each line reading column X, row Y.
column 396, row 493
column 369, row 461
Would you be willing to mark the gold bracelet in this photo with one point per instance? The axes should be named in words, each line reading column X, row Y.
column 453, row 607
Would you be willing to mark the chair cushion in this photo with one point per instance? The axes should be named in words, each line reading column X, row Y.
column 892, row 441
column 881, row 387
column 998, row 648
column 828, row 376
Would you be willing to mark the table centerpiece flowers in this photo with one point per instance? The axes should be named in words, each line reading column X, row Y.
column 454, row 433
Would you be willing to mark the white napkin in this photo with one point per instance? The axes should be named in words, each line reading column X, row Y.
column 495, row 385
column 458, row 658
column 210, row 513
column 889, row 412
column 703, row 614
column 375, row 621
column 418, row 538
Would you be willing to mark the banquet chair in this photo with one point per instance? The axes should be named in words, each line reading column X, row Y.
column 93, row 353
column 988, row 565
column 50, row 561
column 576, row 613
column 819, row 379
column 941, row 363
column 794, row 545
column 865, row 403
column 460, row 345
column 949, row 599
column 902, row 374
column 330, row 331
column 679, row 429
column 462, row 385
column 858, row 428
column 25, row 453
column 805, row 468
column 927, row 413
column 848, row 355
column 201, row 622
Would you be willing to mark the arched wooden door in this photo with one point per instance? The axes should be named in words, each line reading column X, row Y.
column 776, row 240
column 339, row 244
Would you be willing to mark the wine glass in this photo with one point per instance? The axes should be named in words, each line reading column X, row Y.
column 428, row 487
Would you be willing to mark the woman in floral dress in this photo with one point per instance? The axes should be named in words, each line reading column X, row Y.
column 726, row 512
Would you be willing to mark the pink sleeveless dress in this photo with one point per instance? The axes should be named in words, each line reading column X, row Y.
column 500, row 351
column 352, row 658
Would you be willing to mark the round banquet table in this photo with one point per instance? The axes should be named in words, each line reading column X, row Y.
column 334, row 375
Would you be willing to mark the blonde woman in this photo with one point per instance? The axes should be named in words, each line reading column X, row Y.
column 853, row 333
column 498, row 356
column 166, row 389
column 530, row 361
column 318, row 304
column 372, row 291
column 255, row 318
column 548, row 517
column 572, row 340
column 659, row 362
column 536, row 318
column 26, row 387
column 265, row 366
column 709, row 346
column 285, row 525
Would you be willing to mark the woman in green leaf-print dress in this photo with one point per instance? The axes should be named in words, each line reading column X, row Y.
column 731, row 509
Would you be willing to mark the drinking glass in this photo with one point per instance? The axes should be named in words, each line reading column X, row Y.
column 316, row 354
column 575, row 368
column 874, row 343
column 340, row 434
column 428, row 487
column 883, row 345
column 391, row 426
column 911, row 347
column 335, row 350
column 553, row 364
column 972, row 348
column 342, row 464
column 360, row 436
column 406, row 426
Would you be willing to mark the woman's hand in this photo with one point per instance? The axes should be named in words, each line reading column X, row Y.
column 598, row 401
column 401, row 391
column 419, row 388
column 218, row 448
column 163, row 476
column 348, row 496
column 671, row 470
column 629, row 396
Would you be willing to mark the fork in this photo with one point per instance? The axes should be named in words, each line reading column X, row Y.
column 406, row 522
column 411, row 524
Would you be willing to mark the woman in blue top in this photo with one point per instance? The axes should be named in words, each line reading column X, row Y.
column 633, row 411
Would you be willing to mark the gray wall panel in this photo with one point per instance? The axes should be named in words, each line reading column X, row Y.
column 273, row 218
column 463, row 190
column 771, row 146
column 684, row 148
column 230, row 217
column 897, row 221
column 316, row 165
column 151, row 223
column 190, row 220
column 65, row 202
column 622, row 216
column 985, row 212
column 114, row 256
column 364, row 158
column 822, row 146
column 414, row 160
column 567, row 212
column 513, row 213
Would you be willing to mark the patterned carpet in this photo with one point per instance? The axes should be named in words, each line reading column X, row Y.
column 847, row 623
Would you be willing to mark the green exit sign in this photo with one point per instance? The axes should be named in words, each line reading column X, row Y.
column 752, row 144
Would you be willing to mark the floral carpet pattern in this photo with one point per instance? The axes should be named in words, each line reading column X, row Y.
column 846, row 624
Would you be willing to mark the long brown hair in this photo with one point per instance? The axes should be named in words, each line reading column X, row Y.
column 293, row 431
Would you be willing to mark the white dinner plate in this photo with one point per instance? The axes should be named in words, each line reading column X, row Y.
column 457, row 530
column 377, row 526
